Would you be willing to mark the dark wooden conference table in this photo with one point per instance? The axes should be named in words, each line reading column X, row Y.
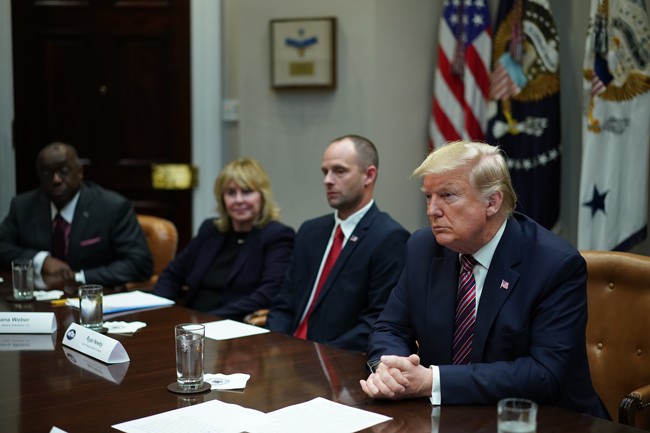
column 40, row 389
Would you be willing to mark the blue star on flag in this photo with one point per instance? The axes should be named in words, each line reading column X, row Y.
column 597, row 201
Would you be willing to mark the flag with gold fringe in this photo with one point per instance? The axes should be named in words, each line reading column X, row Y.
column 613, row 206
column 525, row 108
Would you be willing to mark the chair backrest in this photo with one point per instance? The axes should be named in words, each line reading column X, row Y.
column 618, row 328
column 162, row 238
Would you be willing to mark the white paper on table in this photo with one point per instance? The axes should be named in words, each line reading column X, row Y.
column 47, row 295
column 226, row 329
column 123, row 327
column 212, row 416
column 320, row 416
column 227, row 381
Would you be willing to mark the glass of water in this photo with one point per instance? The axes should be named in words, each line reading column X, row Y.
column 190, row 338
column 22, row 271
column 91, row 306
column 517, row 415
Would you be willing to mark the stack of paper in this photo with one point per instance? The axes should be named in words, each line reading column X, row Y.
column 127, row 301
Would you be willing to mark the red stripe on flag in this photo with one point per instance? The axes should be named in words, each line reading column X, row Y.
column 444, row 125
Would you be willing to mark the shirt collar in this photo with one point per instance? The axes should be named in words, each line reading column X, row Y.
column 350, row 223
column 484, row 255
column 67, row 212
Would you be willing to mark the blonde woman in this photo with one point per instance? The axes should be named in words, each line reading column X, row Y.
column 236, row 263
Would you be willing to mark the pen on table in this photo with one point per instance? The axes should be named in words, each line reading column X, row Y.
column 58, row 302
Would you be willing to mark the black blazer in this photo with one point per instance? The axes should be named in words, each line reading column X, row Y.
column 254, row 279
column 106, row 241
column 357, row 287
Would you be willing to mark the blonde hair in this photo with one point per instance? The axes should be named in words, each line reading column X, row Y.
column 249, row 174
column 488, row 172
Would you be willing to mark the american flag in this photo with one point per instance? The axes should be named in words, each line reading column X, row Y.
column 462, row 77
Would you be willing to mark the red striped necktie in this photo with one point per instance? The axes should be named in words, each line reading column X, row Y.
column 465, row 312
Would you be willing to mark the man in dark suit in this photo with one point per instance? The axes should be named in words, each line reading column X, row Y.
column 75, row 231
column 510, row 324
column 339, row 306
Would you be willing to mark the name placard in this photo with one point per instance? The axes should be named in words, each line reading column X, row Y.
column 94, row 344
column 27, row 323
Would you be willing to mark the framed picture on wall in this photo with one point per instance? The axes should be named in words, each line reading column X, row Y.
column 303, row 53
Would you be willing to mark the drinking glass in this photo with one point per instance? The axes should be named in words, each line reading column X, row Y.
column 516, row 415
column 91, row 312
column 190, row 339
column 22, row 273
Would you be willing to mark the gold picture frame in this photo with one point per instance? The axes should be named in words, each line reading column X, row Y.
column 303, row 53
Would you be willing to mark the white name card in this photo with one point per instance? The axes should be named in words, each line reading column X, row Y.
column 94, row 344
column 27, row 323
column 112, row 372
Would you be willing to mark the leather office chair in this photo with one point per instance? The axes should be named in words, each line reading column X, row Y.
column 162, row 238
column 618, row 333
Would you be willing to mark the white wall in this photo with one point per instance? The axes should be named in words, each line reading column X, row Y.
column 383, row 92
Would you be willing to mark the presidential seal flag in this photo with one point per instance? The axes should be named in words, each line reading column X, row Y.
column 525, row 109
column 615, row 127
column 461, row 82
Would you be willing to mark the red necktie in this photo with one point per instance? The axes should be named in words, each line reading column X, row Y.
column 465, row 312
column 335, row 250
column 60, row 232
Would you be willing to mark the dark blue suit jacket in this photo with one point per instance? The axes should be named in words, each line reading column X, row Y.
column 357, row 287
column 530, row 327
column 106, row 241
column 255, row 277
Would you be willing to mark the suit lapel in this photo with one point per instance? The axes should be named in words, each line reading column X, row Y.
column 441, row 301
column 356, row 238
column 82, row 215
column 41, row 223
column 501, row 280
column 318, row 242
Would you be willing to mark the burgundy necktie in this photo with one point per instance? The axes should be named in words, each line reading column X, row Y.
column 465, row 312
column 335, row 250
column 60, row 232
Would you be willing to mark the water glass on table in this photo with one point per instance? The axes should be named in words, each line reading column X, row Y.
column 190, row 340
column 91, row 308
column 22, row 273
column 516, row 415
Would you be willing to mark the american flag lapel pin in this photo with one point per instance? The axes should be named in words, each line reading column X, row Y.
column 353, row 238
column 504, row 285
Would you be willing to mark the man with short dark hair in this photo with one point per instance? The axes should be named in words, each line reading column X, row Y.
column 343, row 265
column 75, row 231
